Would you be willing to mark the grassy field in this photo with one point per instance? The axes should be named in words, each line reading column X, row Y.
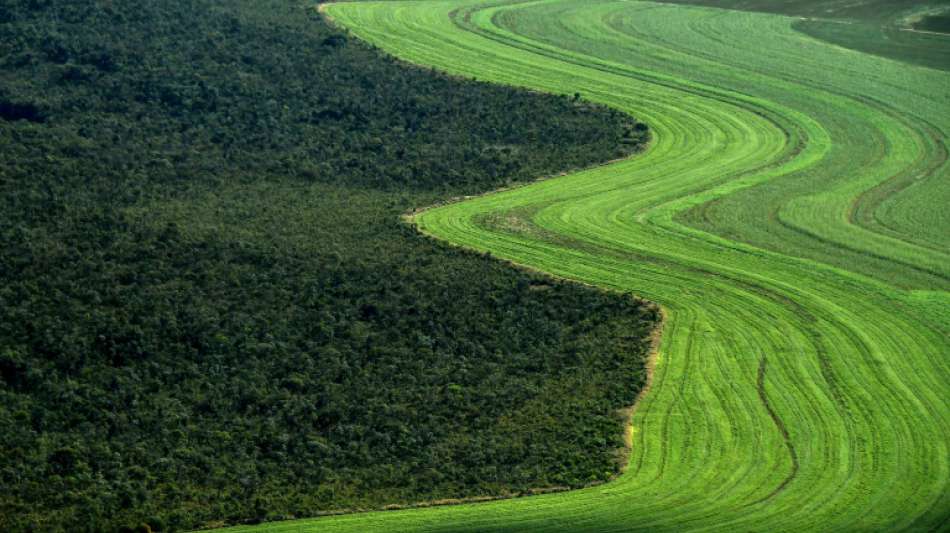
column 897, row 29
column 790, row 216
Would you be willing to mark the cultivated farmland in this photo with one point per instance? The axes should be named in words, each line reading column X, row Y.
column 790, row 216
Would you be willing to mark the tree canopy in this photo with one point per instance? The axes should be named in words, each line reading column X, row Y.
column 209, row 310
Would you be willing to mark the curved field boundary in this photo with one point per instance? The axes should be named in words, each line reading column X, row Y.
column 790, row 217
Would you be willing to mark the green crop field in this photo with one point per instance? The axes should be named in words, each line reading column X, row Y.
column 791, row 217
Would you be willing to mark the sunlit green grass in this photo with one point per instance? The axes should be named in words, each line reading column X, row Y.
column 790, row 216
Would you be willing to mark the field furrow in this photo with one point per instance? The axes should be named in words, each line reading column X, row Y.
column 790, row 216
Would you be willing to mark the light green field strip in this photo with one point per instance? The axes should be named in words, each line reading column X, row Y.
column 790, row 216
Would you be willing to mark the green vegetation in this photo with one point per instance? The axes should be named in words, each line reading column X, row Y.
column 934, row 23
column 790, row 215
column 210, row 312
column 888, row 28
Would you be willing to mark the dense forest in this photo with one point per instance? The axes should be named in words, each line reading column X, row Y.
column 210, row 311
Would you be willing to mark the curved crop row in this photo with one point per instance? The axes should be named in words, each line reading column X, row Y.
column 789, row 216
